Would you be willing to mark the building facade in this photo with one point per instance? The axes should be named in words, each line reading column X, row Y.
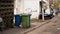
column 28, row 6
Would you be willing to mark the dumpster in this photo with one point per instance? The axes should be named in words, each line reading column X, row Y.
column 26, row 20
column 17, row 20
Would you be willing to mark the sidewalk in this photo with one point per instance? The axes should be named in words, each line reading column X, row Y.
column 34, row 25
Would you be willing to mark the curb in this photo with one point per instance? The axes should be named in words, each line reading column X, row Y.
column 36, row 27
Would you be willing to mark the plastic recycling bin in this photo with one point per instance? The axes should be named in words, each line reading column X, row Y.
column 26, row 20
column 17, row 20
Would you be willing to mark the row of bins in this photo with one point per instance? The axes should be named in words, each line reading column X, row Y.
column 23, row 19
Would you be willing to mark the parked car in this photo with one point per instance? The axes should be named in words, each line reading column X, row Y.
column 48, row 13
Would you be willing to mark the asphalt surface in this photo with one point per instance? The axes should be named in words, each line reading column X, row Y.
column 52, row 27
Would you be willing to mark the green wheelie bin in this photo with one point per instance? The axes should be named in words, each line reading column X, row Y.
column 26, row 20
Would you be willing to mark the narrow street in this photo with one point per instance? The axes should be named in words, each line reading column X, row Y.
column 52, row 27
column 29, row 16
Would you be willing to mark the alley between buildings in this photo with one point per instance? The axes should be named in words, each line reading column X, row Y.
column 52, row 27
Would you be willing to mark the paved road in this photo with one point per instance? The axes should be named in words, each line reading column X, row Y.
column 52, row 27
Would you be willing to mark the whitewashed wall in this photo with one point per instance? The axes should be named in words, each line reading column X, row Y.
column 18, row 7
column 28, row 6
column 32, row 7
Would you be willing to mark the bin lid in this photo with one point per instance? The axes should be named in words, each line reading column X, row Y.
column 25, row 14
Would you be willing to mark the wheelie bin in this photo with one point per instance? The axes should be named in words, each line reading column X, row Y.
column 17, row 20
column 26, row 20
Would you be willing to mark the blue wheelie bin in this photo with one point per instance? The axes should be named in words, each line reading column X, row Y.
column 17, row 20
